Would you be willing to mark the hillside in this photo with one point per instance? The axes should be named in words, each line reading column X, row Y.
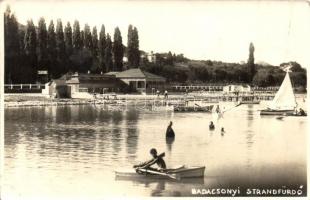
column 199, row 72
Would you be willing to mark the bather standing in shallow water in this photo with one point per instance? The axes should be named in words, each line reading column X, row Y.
column 211, row 126
column 169, row 131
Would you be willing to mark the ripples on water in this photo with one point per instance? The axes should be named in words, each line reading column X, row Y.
column 72, row 151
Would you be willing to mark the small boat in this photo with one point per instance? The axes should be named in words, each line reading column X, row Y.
column 284, row 102
column 195, row 108
column 276, row 112
column 249, row 102
column 176, row 173
column 162, row 108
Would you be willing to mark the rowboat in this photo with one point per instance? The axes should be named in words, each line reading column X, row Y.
column 276, row 112
column 151, row 180
column 175, row 173
column 192, row 108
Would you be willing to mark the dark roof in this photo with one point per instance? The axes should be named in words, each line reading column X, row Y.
column 89, row 78
column 62, row 80
column 138, row 73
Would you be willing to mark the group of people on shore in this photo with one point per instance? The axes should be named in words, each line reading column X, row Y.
column 165, row 94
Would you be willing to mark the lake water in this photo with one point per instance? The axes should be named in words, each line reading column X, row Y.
column 72, row 151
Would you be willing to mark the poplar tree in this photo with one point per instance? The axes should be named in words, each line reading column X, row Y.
column 118, row 51
column 108, row 54
column 136, row 51
column 76, row 36
column 61, row 49
column 12, row 59
column 87, row 37
column 51, row 49
column 130, row 51
column 42, row 45
column 68, row 39
column 133, row 52
column 101, row 49
column 30, row 42
column 82, row 39
column 94, row 42
column 251, row 64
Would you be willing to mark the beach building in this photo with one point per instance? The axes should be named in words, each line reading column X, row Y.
column 137, row 80
column 85, row 85
column 57, row 87
column 82, row 85
column 236, row 88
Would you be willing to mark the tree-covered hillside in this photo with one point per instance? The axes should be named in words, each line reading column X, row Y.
column 63, row 47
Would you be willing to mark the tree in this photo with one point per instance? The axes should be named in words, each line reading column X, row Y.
column 21, row 57
column 169, row 59
column 61, row 49
column 51, row 49
column 118, row 50
column 220, row 75
column 108, row 54
column 42, row 44
column 130, row 50
column 95, row 65
column 133, row 52
column 101, row 49
column 135, row 38
column 12, row 48
column 87, row 40
column 94, row 42
column 30, row 42
column 68, row 39
column 76, row 36
column 251, row 64
column 82, row 39
column 294, row 66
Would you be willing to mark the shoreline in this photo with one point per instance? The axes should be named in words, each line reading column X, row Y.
column 34, row 99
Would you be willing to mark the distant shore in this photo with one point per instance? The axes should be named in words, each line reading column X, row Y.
column 37, row 99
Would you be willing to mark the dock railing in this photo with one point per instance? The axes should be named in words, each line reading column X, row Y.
column 24, row 86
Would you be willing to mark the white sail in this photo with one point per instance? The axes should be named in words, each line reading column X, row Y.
column 284, row 98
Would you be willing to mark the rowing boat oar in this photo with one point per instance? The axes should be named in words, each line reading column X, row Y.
column 173, row 176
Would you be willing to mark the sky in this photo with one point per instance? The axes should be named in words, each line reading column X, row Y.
column 215, row 30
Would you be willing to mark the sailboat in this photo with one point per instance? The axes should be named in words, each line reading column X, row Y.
column 284, row 101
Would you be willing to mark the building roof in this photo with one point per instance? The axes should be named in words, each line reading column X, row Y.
column 61, row 80
column 89, row 78
column 111, row 73
column 137, row 73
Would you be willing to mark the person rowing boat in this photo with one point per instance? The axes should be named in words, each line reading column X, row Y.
column 157, row 159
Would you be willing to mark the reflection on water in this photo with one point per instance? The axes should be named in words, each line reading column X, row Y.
column 169, row 142
column 81, row 146
column 249, row 136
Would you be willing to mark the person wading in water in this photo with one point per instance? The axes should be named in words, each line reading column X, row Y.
column 157, row 159
column 169, row 131
column 211, row 126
